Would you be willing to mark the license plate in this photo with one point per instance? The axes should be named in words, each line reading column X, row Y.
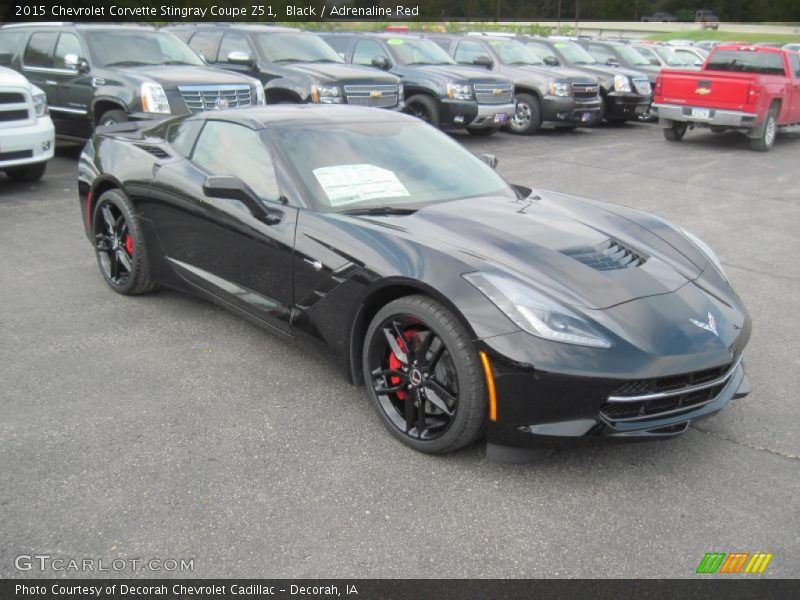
column 701, row 113
column 500, row 118
column 586, row 117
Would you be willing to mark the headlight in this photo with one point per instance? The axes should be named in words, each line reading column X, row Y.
column 622, row 83
column 260, row 97
column 559, row 88
column 154, row 99
column 705, row 249
column 39, row 101
column 400, row 90
column 326, row 94
column 535, row 313
column 459, row 91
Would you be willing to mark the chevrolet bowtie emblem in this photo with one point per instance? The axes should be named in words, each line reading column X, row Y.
column 702, row 91
column 376, row 94
column 710, row 326
column 496, row 92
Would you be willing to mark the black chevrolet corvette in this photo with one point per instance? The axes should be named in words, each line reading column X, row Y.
column 466, row 305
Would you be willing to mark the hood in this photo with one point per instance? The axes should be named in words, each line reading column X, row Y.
column 460, row 73
column 564, row 249
column 605, row 71
column 341, row 73
column 172, row 76
column 9, row 77
column 522, row 73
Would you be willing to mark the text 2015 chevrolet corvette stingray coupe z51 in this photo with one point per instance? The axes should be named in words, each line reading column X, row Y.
column 464, row 304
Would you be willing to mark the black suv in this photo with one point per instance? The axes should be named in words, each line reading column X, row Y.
column 563, row 98
column 626, row 92
column 294, row 66
column 437, row 90
column 105, row 74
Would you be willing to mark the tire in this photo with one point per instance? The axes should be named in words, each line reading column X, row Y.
column 447, row 373
column 122, row 254
column 112, row 117
column 424, row 108
column 32, row 172
column 769, row 130
column 482, row 131
column 675, row 132
column 528, row 118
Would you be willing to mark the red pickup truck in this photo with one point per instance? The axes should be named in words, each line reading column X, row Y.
column 752, row 89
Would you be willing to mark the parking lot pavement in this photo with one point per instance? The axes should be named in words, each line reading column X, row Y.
column 163, row 427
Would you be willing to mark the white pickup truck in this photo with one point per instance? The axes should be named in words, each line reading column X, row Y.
column 27, row 136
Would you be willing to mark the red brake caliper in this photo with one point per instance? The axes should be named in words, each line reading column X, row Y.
column 394, row 363
column 128, row 244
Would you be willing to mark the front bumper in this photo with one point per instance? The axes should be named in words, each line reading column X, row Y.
column 569, row 110
column 715, row 118
column 27, row 144
column 456, row 114
column 626, row 105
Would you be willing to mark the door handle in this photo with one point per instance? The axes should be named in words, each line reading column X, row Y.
column 50, row 82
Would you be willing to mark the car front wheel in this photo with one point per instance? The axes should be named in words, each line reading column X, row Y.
column 528, row 118
column 424, row 376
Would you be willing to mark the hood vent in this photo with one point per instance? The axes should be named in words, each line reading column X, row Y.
column 607, row 256
column 156, row 151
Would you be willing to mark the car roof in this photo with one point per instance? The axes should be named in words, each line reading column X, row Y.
column 260, row 117
column 238, row 27
column 85, row 26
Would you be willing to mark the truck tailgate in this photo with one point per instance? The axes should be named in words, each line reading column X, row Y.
column 716, row 89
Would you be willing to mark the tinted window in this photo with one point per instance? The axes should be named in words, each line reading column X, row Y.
column 746, row 61
column 9, row 42
column 37, row 54
column 601, row 53
column 126, row 47
column 512, row 52
column 68, row 43
column 418, row 52
column 233, row 42
column 205, row 43
column 366, row 50
column 338, row 43
column 296, row 47
column 468, row 51
column 182, row 135
column 230, row 149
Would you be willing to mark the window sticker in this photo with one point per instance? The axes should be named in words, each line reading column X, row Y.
column 494, row 43
column 560, row 45
column 346, row 184
column 395, row 42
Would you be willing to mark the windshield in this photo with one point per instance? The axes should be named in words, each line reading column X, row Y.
column 418, row 52
column 746, row 61
column 573, row 54
column 398, row 164
column 669, row 56
column 296, row 47
column 512, row 52
column 630, row 56
column 127, row 47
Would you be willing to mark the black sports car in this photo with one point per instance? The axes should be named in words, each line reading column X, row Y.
column 465, row 304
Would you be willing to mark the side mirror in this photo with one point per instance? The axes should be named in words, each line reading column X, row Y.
column 240, row 58
column 229, row 187
column 490, row 159
column 75, row 62
column 381, row 62
column 551, row 61
column 483, row 61
column 612, row 62
column 654, row 61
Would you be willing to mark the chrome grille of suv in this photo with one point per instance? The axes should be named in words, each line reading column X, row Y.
column 199, row 98
column 585, row 90
column 642, row 85
column 493, row 93
column 378, row 96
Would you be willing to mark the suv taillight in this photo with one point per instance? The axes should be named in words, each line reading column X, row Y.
column 753, row 93
column 657, row 89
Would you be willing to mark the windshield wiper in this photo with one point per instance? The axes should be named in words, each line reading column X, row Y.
column 129, row 63
column 379, row 210
column 321, row 60
column 178, row 62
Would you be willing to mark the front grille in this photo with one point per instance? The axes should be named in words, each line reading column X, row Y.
column 642, row 86
column 489, row 93
column 11, row 98
column 645, row 399
column 607, row 256
column 13, row 115
column 582, row 90
column 16, row 155
column 377, row 96
column 199, row 98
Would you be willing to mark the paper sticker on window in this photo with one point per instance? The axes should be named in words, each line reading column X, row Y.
column 395, row 42
column 345, row 184
column 560, row 45
column 494, row 43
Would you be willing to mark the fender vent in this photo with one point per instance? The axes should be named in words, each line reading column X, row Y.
column 607, row 256
column 156, row 151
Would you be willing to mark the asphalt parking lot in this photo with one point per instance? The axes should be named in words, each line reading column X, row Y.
column 163, row 427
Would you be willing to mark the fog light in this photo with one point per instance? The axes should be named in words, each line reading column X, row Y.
column 46, row 146
column 458, row 119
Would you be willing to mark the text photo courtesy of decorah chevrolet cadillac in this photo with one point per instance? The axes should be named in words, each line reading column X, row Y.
column 453, row 296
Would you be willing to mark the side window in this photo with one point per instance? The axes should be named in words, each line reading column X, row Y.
column 37, row 54
column 601, row 53
column 366, row 50
column 338, row 43
column 205, row 43
column 9, row 43
column 68, row 43
column 468, row 51
column 231, row 149
column 182, row 135
column 794, row 63
column 233, row 42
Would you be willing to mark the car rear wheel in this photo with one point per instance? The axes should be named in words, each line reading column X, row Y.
column 482, row 131
column 423, row 375
column 528, row 118
column 28, row 172
column 423, row 107
column 112, row 117
column 769, row 130
column 675, row 132
column 119, row 245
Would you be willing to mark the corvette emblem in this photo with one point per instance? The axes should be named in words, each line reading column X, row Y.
column 710, row 326
column 702, row 91
column 376, row 94
column 221, row 104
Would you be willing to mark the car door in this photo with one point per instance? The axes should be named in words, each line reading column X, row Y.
column 602, row 54
column 236, row 43
column 37, row 65
column 240, row 253
column 74, row 89
column 468, row 50
column 367, row 50
column 206, row 44
column 794, row 66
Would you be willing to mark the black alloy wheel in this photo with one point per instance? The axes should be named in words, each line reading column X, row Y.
column 424, row 108
column 424, row 376
column 675, row 132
